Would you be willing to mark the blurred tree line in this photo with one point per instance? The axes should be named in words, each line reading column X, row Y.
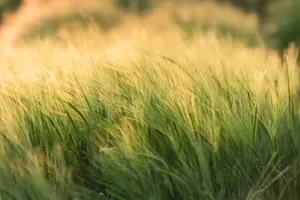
column 284, row 15
column 259, row 6
column 8, row 5
column 136, row 5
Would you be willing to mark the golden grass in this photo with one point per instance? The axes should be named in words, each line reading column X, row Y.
column 143, row 94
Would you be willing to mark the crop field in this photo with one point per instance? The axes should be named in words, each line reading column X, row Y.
column 149, row 110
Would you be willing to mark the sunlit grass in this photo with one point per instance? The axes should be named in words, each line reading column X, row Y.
column 143, row 113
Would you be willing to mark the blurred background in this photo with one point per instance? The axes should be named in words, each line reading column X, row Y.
column 274, row 24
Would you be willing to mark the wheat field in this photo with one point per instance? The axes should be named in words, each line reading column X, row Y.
column 142, row 112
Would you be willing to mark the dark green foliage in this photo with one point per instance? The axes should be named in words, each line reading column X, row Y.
column 286, row 18
column 258, row 6
column 135, row 5
column 8, row 5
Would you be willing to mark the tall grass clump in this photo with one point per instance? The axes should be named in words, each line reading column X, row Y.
column 149, row 116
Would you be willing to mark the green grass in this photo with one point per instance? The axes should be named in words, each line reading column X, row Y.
column 189, row 123
column 145, row 114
